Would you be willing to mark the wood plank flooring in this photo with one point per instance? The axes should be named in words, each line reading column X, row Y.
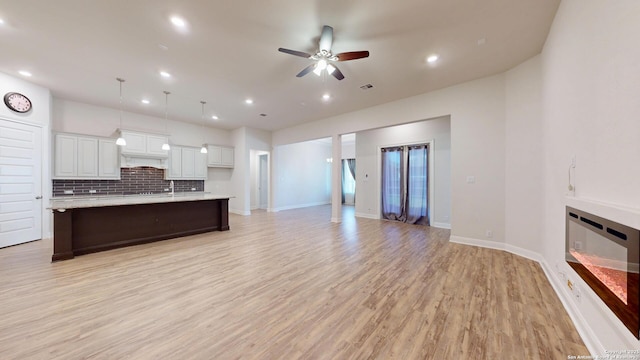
column 283, row 285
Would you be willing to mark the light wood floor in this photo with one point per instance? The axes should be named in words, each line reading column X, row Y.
column 283, row 286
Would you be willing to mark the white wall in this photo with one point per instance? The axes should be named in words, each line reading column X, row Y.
column 349, row 150
column 40, row 115
column 591, row 82
column 524, row 149
column 302, row 175
column 368, row 144
column 477, row 112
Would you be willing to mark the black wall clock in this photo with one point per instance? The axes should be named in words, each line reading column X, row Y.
column 17, row 102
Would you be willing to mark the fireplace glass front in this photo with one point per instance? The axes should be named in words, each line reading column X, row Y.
column 606, row 255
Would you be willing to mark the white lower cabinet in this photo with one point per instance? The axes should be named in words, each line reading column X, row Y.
column 85, row 157
column 186, row 163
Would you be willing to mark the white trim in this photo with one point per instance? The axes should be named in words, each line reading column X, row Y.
column 291, row 207
column 367, row 216
column 586, row 333
column 336, row 220
column 441, row 225
column 240, row 212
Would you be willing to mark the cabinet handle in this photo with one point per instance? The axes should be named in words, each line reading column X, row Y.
column 38, row 197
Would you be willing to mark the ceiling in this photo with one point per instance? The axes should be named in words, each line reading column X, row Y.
column 228, row 52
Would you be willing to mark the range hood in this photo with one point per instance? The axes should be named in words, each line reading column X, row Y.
column 131, row 161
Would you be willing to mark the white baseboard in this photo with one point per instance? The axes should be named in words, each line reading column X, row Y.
column 336, row 220
column 240, row 212
column 291, row 207
column 588, row 337
column 441, row 225
column 367, row 216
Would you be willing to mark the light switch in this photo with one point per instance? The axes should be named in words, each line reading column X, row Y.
column 471, row 179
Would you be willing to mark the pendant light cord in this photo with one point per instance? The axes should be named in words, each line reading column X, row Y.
column 120, row 80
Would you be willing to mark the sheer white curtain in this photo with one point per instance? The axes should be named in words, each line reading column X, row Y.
column 405, row 200
column 392, row 184
column 417, row 185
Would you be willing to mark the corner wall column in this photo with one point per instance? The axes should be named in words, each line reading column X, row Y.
column 336, row 178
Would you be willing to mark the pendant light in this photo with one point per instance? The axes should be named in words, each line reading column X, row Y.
column 121, row 141
column 203, row 149
column 166, row 146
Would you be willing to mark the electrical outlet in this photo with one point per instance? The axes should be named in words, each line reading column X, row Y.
column 92, row 191
column 489, row 234
column 193, row 189
column 577, row 293
column 68, row 192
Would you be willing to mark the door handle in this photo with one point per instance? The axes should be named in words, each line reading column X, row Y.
column 38, row 197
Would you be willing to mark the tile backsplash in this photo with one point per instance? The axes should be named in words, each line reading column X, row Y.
column 139, row 180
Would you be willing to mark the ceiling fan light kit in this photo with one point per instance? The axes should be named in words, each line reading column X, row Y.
column 324, row 57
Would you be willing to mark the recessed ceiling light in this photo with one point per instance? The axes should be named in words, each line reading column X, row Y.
column 25, row 73
column 163, row 47
column 145, row 101
column 432, row 58
column 248, row 101
column 214, row 117
column 326, row 97
column 1, row 21
column 178, row 21
column 482, row 41
column 165, row 74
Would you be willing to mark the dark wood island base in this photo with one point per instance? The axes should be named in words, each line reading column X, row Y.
column 84, row 230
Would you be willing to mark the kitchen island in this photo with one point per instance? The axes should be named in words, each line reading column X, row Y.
column 83, row 225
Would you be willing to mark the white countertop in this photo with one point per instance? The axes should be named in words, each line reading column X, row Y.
column 117, row 200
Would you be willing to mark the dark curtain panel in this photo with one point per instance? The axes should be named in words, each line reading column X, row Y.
column 417, row 202
column 392, row 183
column 343, row 179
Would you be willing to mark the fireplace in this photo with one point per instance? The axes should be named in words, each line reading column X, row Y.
column 606, row 256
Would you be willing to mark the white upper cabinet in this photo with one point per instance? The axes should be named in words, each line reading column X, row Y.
column 186, row 163
column 85, row 157
column 108, row 159
column 144, row 145
column 201, row 165
column 220, row 156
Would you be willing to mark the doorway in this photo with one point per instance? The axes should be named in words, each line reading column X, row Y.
column 263, row 181
column 20, row 183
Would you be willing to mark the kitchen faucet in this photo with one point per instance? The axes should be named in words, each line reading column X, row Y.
column 171, row 186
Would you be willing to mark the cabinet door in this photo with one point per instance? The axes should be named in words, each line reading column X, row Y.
column 65, row 156
column 154, row 145
column 214, row 155
column 108, row 159
column 87, row 157
column 201, row 165
column 175, row 163
column 136, row 143
column 226, row 157
column 188, row 162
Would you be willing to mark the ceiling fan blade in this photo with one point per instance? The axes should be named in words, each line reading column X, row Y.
column 352, row 55
column 306, row 70
column 326, row 39
column 294, row 52
column 337, row 73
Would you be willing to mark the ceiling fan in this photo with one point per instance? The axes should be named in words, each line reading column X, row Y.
column 324, row 58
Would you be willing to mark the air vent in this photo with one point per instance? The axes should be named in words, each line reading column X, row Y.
column 366, row 87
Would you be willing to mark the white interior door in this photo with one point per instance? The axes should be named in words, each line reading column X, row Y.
column 20, row 183
column 263, row 188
